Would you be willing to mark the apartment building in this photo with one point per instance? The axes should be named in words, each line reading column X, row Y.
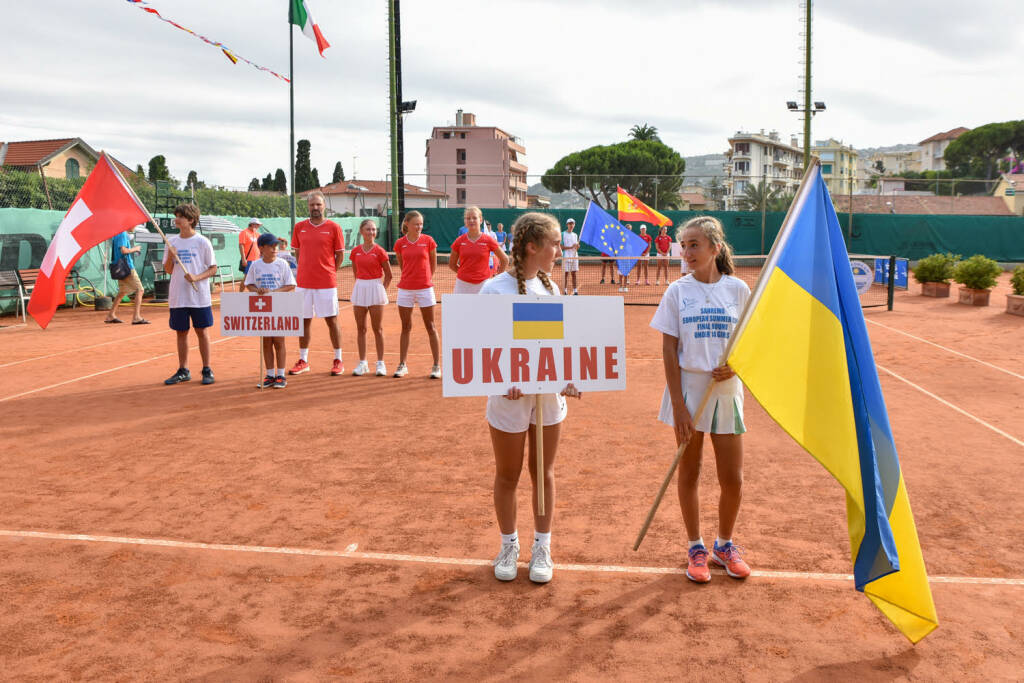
column 838, row 165
column 933, row 149
column 477, row 165
column 757, row 157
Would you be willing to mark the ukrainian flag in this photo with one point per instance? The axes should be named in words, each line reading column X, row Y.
column 802, row 349
column 537, row 321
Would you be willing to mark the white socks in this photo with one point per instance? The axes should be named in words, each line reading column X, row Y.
column 279, row 372
column 337, row 354
column 721, row 542
column 508, row 539
column 542, row 539
column 304, row 354
column 699, row 541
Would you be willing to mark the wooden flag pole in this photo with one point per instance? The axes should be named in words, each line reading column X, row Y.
column 150, row 217
column 260, row 348
column 540, row 453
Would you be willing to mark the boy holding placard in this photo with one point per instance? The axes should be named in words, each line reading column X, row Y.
column 271, row 274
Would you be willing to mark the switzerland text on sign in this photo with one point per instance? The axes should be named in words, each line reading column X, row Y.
column 537, row 343
column 244, row 314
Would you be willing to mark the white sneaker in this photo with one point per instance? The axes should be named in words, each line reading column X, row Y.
column 505, row 567
column 435, row 372
column 381, row 370
column 361, row 369
column 401, row 370
column 575, row 292
column 541, row 566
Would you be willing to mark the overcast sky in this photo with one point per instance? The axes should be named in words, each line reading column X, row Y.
column 561, row 75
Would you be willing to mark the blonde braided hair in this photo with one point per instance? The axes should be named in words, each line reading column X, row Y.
column 532, row 228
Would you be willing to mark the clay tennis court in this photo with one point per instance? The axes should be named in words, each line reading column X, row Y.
column 343, row 527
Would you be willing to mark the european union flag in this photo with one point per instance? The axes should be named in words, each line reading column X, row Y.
column 537, row 321
column 601, row 231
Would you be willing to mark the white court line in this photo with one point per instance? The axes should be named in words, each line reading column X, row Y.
column 944, row 348
column 103, row 372
column 83, row 348
column 351, row 553
column 958, row 409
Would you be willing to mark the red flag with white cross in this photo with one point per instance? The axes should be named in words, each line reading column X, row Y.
column 261, row 304
column 103, row 207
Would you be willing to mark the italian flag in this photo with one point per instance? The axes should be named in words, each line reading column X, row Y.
column 299, row 14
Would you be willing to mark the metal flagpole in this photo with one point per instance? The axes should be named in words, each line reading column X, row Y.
column 291, row 111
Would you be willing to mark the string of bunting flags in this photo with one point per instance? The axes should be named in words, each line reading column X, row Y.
column 229, row 53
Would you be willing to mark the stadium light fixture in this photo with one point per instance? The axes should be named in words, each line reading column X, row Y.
column 791, row 105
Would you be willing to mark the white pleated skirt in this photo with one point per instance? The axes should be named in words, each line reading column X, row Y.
column 723, row 413
column 369, row 293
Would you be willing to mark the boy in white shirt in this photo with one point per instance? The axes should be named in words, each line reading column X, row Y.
column 189, row 293
column 271, row 274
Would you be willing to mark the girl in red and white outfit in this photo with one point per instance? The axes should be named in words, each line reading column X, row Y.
column 417, row 260
column 663, row 243
column 369, row 293
column 536, row 247
column 471, row 254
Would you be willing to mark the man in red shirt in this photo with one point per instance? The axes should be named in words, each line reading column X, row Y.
column 319, row 247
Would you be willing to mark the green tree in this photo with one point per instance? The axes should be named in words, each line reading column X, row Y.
column 781, row 202
column 634, row 165
column 267, row 184
column 280, row 183
column 976, row 153
column 879, row 166
column 139, row 171
column 158, row 169
column 303, row 172
column 339, row 174
column 756, row 196
column 644, row 132
column 254, row 185
column 193, row 180
column 316, row 178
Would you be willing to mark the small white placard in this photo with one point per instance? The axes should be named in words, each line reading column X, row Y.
column 247, row 314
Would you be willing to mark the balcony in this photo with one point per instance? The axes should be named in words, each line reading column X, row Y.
column 517, row 166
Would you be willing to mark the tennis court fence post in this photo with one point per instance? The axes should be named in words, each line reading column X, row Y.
column 892, row 280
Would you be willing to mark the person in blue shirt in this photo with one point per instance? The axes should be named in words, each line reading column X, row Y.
column 501, row 236
column 120, row 248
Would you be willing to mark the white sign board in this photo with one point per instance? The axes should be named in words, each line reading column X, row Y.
column 247, row 314
column 536, row 343
column 863, row 276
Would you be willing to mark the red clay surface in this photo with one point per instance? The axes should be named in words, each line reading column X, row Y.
column 386, row 464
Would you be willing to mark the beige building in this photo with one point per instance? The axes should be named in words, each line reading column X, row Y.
column 838, row 165
column 477, row 165
column 372, row 197
column 1010, row 189
column 933, row 149
column 60, row 158
column 757, row 157
column 893, row 162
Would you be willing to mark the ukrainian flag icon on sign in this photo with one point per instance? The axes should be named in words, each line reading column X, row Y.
column 537, row 321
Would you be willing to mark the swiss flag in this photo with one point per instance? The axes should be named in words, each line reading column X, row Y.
column 261, row 304
column 104, row 207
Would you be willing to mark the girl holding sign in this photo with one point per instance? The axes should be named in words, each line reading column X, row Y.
column 696, row 317
column 417, row 260
column 369, row 294
column 471, row 255
column 536, row 247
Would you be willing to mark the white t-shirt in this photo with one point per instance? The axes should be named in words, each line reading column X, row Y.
column 702, row 316
column 196, row 254
column 570, row 241
column 506, row 283
column 270, row 276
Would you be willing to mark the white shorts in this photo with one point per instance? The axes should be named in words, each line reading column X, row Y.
column 319, row 303
column 662, row 257
column 408, row 298
column 517, row 416
column 570, row 264
column 724, row 411
column 369, row 293
column 463, row 287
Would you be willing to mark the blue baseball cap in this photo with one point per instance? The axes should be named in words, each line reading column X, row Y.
column 265, row 240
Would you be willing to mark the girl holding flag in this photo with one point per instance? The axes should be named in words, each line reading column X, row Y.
column 696, row 316
column 537, row 237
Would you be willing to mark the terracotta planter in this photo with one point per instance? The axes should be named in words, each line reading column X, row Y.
column 974, row 297
column 939, row 290
column 1015, row 304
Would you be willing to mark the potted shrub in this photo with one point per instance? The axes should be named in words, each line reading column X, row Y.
column 1015, row 301
column 977, row 275
column 934, row 273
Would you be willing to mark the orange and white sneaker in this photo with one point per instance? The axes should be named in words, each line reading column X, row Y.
column 300, row 367
column 697, row 568
column 337, row 367
column 730, row 557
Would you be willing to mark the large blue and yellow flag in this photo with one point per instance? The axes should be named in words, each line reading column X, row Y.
column 802, row 349
column 603, row 232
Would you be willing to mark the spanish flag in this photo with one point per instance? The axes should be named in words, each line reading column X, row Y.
column 802, row 349
column 632, row 209
column 537, row 321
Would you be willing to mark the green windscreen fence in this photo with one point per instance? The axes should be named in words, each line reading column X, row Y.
column 25, row 235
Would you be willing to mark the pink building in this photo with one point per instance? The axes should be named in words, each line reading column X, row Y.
column 477, row 165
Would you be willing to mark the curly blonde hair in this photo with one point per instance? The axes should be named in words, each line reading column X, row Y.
column 711, row 228
column 532, row 228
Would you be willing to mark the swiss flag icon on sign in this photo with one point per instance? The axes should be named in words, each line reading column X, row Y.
column 261, row 304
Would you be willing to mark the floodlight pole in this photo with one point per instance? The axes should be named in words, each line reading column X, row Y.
column 807, row 88
column 392, row 63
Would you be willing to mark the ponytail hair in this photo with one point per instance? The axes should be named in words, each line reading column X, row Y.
column 408, row 217
column 711, row 228
column 532, row 228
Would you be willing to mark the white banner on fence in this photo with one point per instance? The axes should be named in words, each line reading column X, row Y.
column 536, row 343
column 246, row 314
